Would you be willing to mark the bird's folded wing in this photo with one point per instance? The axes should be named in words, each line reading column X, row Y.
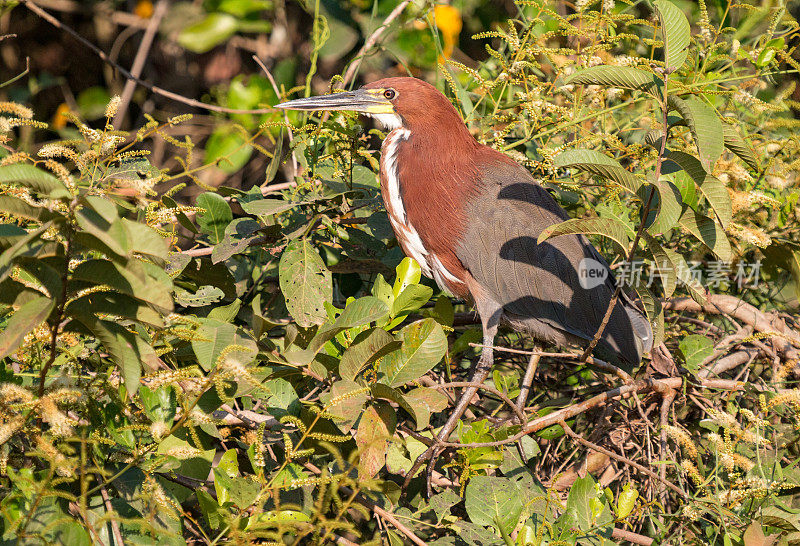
column 539, row 282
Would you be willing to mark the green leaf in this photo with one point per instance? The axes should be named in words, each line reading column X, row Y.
column 131, row 280
column 305, row 282
column 10, row 234
column 597, row 163
column 277, row 158
column 584, row 504
column 673, row 265
column 114, row 303
column 27, row 244
column 214, row 336
column 705, row 126
column 216, row 216
column 105, row 226
column 19, row 208
column 127, row 350
column 424, row 345
column 265, row 208
column 715, row 192
column 362, row 311
column 365, row 349
column 736, row 144
column 707, row 232
column 493, row 501
column 607, row 227
column 159, row 404
column 410, row 299
column 425, row 402
column 208, row 33
column 145, row 240
column 36, row 179
column 676, row 31
column 626, row 77
column 408, row 273
column 665, row 207
column 695, row 349
column 228, row 147
column 23, row 321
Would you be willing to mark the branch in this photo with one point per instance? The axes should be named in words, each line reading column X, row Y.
column 580, row 439
column 372, row 40
column 150, row 87
column 138, row 61
column 388, row 516
column 503, row 397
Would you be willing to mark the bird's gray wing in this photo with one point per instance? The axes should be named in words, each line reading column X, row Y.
column 538, row 285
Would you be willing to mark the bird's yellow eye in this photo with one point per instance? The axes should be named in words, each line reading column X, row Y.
column 390, row 94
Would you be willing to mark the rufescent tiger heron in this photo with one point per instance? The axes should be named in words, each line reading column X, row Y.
column 471, row 216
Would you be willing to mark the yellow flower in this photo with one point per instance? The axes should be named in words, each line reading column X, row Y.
column 59, row 120
column 448, row 20
column 144, row 9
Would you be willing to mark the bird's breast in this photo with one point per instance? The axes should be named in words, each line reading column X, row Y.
column 400, row 215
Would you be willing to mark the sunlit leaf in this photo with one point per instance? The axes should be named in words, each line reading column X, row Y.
column 23, row 321
column 676, row 31
column 705, row 126
column 607, row 227
column 626, row 77
column 424, row 345
column 707, row 232
column 597, row 163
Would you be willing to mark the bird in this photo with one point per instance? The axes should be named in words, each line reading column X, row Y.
column 471, row 217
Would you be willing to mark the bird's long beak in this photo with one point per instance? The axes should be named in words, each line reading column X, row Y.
column 366, row 101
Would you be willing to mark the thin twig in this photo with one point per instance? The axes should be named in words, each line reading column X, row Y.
column 592, row 361
column 372, row 40
column 503, row 397
column 150, row 87
column 388, row 516
column 114, row 523
column 285, row 117
column 139, row 60
column 572, row 434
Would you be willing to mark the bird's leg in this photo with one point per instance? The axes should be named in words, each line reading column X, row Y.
column 490, row 318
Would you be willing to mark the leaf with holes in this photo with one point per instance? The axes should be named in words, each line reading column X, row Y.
column 626, row 77
column 424, row 345
column 705, row 126
column 305, row 282
column 594, row 162
column 607, row 227
column 493, row 501
column 676, row 31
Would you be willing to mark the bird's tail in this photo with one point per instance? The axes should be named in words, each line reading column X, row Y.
column 642, row 330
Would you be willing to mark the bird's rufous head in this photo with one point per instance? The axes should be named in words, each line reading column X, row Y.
column 393, row 102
